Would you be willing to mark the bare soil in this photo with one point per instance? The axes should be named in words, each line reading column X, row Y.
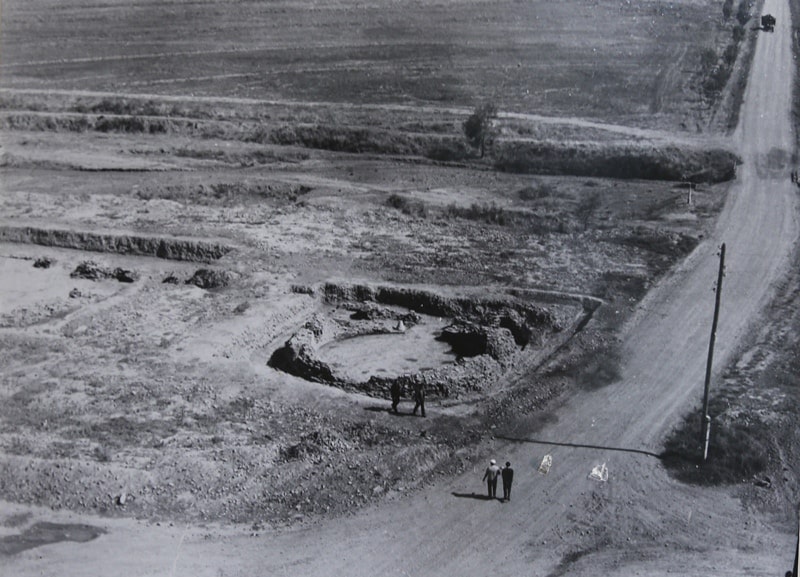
column 189, row 194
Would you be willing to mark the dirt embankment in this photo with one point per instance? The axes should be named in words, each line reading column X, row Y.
column 635, row 160
column 129, row 244
column 600, row 154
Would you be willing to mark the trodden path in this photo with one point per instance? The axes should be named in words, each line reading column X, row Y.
column 441, row 531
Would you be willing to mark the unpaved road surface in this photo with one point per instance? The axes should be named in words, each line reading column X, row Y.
column 561, row 522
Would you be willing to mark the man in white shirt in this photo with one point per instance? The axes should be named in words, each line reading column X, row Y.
column 492, row 471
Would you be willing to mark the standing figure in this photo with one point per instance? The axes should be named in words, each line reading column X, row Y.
column 395, row 391
column 490, row 476
column 419, row 397
column 508, row 478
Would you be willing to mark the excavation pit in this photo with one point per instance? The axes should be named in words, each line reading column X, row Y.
column 364, row 338
column 391, row 354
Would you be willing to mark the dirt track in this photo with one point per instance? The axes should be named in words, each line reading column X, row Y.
column 445, row 531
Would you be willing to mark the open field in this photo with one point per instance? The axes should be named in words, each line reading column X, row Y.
column 228, row 228
column 638, row 67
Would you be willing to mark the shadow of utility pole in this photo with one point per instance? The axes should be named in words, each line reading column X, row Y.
column 579, row 446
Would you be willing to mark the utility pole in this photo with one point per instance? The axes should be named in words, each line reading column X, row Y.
column 796, row 551
column 718, row 290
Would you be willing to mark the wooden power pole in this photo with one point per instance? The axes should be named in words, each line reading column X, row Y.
column 796, row 550
column 706, row 416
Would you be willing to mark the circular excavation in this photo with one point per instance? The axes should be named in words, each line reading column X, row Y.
column 364, row 339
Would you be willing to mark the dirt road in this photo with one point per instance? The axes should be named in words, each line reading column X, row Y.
column 636, row 522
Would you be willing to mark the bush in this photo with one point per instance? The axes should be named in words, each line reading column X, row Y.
column 743, row 13
column 727, row 9
column 708, row 59
column 447, row 151
column 536, row 191
column 406, row 206
column 488, row 213
column 729, row 56
column 587, row 206
column 120, row 124
column 716, row 81
column 345, row 139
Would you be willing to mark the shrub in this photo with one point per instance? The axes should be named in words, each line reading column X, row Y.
column 447, row 151
column 729, row 56
column 111, row 106
column 743, row 13
column 587, row 206
column 536, row 191
column 488, row 213
column 344, row 139
column 716, row 81
column 708, row 59
column 406, row 206
column 158, row 126
column 727, row 9
column 120, row 124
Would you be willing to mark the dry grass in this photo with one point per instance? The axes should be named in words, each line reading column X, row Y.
column 738, row 450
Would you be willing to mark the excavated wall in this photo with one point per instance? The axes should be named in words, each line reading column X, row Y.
column 160, row 247
column 524, row 320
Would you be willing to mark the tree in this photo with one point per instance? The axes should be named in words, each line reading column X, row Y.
column 479, row 128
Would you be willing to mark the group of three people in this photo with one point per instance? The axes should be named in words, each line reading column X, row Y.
column 506, row 473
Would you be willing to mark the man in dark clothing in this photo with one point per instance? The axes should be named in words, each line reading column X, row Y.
column 395, row 390
column 419, row 397
column 508, row 478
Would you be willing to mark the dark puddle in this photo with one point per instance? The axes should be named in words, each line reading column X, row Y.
column 46, row 534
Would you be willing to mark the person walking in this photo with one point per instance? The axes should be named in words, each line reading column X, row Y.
column 395, row 391
column 419, row 397
column 490, row 476
column 508, row 478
